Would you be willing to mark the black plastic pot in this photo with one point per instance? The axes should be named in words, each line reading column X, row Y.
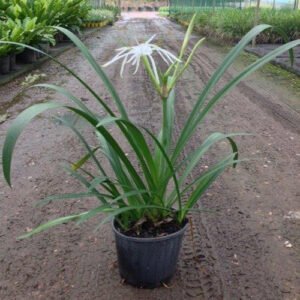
column 28, row 56
column 13, row 64
column 148, row 262
column 61, row 38
column 45, row 47
column 4, row 64
column 149, row 8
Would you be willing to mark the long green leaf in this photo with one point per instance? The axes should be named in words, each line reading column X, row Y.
column 87, row 54
column 16, row 129
column 96, row 96
column 67, row 94
column 115, row 145
column 51, row 224
column 52, row 198
column 99, row 209
column 171, row 170
column 246, row 72
column 190, row 125
column 193, row 158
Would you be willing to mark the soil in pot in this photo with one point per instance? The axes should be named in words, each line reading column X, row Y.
column 149, row 261
column 4, row 64
column 149, row 230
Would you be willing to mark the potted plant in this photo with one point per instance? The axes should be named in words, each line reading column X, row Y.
column 14, row 34
column 4, row 59
column 142, row 198
column 4, row 50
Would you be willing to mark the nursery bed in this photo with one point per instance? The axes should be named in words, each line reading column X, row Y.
column 238, row 251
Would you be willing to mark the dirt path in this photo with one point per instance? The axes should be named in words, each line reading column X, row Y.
column 237, row 252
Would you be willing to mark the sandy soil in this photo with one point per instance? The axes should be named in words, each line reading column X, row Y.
column 236, row 252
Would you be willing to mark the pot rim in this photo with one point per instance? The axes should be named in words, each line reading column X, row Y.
column 150, row 239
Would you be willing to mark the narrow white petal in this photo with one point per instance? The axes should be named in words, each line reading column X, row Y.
column 154, row 68
column 137, row 65
column 132, row 58
column 122, row 49
column 163, row 57
column 123, row 66
column 172, row 56
column 134, row 62
column 151, row 39
column 116, row 58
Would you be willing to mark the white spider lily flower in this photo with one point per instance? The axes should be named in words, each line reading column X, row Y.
column 132, row 55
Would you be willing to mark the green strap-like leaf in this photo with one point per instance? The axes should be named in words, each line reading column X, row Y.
column 16, row 129
column 190, row 124
column 247, row 71
column 79, row 163
column 87, row 54
column 95, row 95
column 67, row 94
column 51, row 224
column 171, row 171
column 62, row 197
column 192, row 159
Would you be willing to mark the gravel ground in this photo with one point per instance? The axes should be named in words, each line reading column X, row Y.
column 238, row 251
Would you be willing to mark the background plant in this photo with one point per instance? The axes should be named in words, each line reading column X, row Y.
column 232, row 24
column 68, row 13
column 29, row 21
column 153, row 187
column 4, row 33
column 99, row 15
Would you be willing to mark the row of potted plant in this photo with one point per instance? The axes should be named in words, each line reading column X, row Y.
column 232, row 24
column 30, row 22
column 99, row 17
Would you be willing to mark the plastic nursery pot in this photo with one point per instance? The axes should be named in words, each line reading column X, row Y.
column 58, row 37
column 4, row 64
column 148, row 262
column 45, row 47
column 148, row 8
column 13, row 63
column 28, row 56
